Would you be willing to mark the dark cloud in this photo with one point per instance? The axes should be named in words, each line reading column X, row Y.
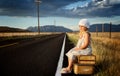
column 56, row 8
column 16, row 7
column 28, row 7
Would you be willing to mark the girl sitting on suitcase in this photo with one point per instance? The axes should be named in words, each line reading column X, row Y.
column 82, row 48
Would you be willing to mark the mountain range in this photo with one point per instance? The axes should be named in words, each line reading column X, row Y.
column 49, row 28
column 105, row 27
column 53, row 28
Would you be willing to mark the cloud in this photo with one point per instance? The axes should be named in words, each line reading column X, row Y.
column 28, row 7
column 98, row 8
column 16, row 7
column 114, row 2
column 89, row 8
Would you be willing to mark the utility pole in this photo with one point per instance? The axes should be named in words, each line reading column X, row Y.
column 38, row 3
column 103, row 27
column 55, row 25
column 54, row 22
column 96, row 30
column 110, row 29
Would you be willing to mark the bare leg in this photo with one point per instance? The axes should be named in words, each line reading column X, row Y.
column 70, row 64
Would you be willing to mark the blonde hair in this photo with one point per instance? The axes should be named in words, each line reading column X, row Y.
column 82, row 32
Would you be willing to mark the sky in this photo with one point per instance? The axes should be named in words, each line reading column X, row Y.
column 67, row 13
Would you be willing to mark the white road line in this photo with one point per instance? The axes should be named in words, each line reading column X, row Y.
column 60, row 62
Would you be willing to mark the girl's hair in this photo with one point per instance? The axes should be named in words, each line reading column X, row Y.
column 82, row 32
column 86, row 30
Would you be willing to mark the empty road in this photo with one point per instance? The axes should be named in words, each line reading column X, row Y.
column 34, row 57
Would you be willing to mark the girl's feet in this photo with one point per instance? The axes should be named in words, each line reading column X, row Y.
column 66, row 70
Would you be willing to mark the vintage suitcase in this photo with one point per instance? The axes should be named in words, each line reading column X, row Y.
column 85, row 64
column 83, row 69
column 87, row 59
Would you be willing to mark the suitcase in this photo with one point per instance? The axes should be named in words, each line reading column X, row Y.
column 85, row 64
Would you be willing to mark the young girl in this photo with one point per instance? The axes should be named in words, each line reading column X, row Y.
column 82, row 48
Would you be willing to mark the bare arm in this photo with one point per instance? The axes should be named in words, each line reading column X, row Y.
column 86, row 42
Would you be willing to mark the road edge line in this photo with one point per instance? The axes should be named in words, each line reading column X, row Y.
column 8, row 45
column 60, row 62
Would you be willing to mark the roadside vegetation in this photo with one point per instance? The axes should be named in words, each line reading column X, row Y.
column 107, row 53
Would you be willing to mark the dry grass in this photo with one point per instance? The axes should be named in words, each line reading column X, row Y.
column 107, row 52
column 9, row 34
column 115, row 35
column 25, row 35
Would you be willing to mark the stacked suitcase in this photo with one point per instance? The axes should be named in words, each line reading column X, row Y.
column 85, row 64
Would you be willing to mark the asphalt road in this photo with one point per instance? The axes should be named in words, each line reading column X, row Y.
column 34, row 57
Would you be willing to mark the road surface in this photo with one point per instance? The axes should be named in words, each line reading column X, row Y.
column 34, row 57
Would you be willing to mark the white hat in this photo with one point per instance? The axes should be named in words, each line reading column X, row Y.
column 84, row 22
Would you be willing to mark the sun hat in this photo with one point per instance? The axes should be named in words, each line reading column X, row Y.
column 84, row 22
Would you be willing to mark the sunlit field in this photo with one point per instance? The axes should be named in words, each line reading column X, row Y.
column 25, row 35
column 8, row 39
column 107, row 52
column 9, row 34
column 115, row 35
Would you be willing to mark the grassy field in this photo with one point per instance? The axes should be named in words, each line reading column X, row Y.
column 115, row 35
column 12, row 34
column 107, row 52
column 25, row 35
column 11, row 40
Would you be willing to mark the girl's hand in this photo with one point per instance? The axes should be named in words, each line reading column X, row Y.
column 77, row 49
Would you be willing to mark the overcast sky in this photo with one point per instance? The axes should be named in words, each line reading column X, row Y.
column 67, row 13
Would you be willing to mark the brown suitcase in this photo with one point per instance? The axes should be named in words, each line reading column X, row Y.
column 85, row 64
column 83, row 69
column 87, row 59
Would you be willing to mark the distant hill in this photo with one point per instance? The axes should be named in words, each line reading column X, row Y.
column 114, row 28
column 49, row 28
column 10, row 29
